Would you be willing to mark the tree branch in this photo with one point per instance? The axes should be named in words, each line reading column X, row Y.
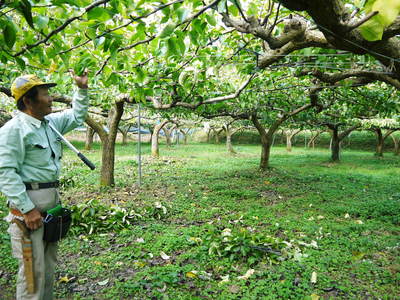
column 158, row 105
column 60, row 28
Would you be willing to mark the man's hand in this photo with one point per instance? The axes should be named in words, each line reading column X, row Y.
column 33, row 219
column 81, row 81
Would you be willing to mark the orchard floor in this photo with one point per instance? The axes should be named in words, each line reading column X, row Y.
column 340, row 223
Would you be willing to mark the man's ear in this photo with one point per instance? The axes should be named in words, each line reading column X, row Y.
column 26, row 101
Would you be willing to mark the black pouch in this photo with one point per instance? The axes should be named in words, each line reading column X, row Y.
column 56, row 227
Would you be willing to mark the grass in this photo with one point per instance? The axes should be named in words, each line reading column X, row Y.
column 350, row 210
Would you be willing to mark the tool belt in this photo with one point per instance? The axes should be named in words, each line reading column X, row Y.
column 37, row 186
column 55, row 226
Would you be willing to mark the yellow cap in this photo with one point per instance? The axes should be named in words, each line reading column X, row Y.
column 23, row 84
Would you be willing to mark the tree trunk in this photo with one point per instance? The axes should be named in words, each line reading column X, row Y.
column 266, row 142
column 108, row 142
column 229, row 146
column 335, row 145
column 289, row 136
column 124, row 137
column 312, row 140
column 379, row 142
column 208, row 135
column 185, row 134
column 89, row 138
column 337, row 139
column 167, row 134
column 217, row 136
column 155, row 152
column 108, row 155
column 396, row 142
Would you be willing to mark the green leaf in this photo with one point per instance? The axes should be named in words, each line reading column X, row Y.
column 211, row 20
column 20, row 62
column 253, row 9
column 222, row 6
column 25, row 8
column 171, row 45
column 388, row 10
column 372, row 30
column 41, row 21
column 182, row 13
column 10, row 34
column 168, row 30
column 99, row 13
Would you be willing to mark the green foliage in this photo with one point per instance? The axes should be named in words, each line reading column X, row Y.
column 242, row 244
column 388, row 10
column 95, row 217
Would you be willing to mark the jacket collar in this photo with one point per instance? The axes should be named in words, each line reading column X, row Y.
column 29, row 119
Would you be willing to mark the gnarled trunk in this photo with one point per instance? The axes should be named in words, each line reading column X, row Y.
column 337, row 138
column 185, row 135
column 108, row 143
column 379, row 142
column 89, row 138
column 335, row 145
column 311, row 142
column 266, row 142
column 167, row 133
column 228, row 133
column 396, row 142
column 155, row 152
column 289, row 136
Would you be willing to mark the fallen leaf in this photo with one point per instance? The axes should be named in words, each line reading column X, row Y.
column 164, row 256
column 139, row 240
column 314, row 297
column 314, row 277
column 247, row 275
column 359, row 222
column 191, row 274
column 226, row 232
column 320, row 217
column 234, row 289
column 346, row 216
column 358, row 255
column 224, row 279
column 104, row 282
column 64, row 279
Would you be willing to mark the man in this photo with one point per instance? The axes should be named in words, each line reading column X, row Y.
column 30, row 154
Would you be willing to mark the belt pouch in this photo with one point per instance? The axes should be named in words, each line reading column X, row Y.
column 56, row 227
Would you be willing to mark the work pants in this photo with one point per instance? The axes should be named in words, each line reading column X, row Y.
column 44, row 253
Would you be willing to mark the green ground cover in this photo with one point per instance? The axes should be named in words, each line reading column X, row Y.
column 208, row 225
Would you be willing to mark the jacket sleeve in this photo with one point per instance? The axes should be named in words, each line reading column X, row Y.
column 69, row 119
column 12, row 153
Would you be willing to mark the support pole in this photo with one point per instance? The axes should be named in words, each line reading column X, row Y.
column 139, row 149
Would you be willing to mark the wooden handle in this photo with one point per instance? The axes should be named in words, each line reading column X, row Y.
column 27, row 257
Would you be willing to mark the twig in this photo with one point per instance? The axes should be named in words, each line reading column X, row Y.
column 358, row 23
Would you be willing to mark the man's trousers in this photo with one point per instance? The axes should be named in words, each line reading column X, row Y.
column 44, row 253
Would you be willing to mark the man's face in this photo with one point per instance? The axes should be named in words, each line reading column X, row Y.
column 42, row 106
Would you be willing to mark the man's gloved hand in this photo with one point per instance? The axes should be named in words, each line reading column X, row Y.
column 33, row 219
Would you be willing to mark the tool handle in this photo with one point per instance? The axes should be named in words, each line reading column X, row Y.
column 86, row 161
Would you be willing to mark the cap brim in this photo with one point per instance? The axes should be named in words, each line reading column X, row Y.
column 52, row 84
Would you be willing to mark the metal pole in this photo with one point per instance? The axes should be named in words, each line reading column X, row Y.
column 139, row 150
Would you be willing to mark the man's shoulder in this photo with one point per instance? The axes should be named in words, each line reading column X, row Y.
column 16, row 124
